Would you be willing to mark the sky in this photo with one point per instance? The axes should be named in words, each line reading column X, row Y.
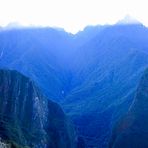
column 72, row 15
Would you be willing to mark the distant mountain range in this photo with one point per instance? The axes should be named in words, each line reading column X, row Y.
column 93, row 74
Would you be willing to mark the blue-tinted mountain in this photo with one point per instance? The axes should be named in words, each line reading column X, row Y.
column 87, row 34
column 108, row 69
column 132, row 130
column 93, row 74
column 38, row 53
column 128, row 20
column 27, row 118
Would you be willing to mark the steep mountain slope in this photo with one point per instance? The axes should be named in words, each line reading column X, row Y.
column 91, row 74
column 28, row 118
column 132, row 130
column 108, row 69
column 88, row 33
column 39, row 53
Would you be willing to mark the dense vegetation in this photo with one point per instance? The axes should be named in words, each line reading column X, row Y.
column 93, row 74
column 132, row 129
column 27, row 118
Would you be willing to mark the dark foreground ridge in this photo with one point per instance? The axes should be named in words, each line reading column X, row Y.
column 132, row 130
column 27, row 118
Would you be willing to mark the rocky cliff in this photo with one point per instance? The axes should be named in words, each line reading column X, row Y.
column 27, row 118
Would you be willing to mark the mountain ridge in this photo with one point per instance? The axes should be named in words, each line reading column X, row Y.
column 92, row 75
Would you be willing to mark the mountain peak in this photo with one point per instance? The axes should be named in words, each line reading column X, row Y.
column 128, row 20
column 13, row 25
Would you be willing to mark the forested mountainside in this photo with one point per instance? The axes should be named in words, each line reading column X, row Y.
column 131, row 131
column 92, row 74
column 27, row 118
column 38, row 53
column 108, row 69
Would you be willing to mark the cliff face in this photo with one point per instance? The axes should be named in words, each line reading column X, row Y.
column 28, row 118
column 132, row 130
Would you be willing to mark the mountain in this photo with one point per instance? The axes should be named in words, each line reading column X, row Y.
column 128, row 20
column 40, row 54
column 13, row 25
column 92, row 74
column 107, row 69
column 132, row 130
column 27, row 118
column 87, row 34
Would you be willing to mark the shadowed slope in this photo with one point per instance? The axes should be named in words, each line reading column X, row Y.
column 132, row 130
column 30, row 119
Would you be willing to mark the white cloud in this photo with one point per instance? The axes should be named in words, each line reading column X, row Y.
column 70, row 14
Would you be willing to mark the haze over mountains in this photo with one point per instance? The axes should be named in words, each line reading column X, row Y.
column 93, row 74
